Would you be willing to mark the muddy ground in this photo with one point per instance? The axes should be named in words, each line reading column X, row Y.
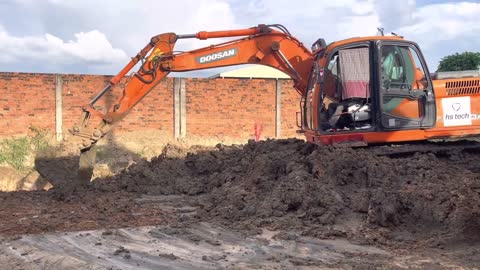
column 395, row 208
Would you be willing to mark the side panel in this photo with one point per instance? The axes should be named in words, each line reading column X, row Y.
column 458, row 103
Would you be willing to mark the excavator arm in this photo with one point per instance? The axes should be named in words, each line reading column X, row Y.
column 258, row 45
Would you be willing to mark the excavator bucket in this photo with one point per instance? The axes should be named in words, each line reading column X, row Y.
column 67, row 173
column 85, row 165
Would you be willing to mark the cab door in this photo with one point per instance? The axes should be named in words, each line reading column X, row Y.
column 406, row 98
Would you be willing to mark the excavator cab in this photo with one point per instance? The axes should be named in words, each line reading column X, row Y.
column 367, row 85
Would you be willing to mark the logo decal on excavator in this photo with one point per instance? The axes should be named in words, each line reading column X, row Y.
column 457, row 112
column 212, row 57
column 456, row 106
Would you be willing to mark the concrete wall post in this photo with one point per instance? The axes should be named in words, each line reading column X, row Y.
column 180, row 123
column 58, row 107
column 278, row 108
column 183, row 109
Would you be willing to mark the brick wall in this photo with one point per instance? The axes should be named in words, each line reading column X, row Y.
column 230, row 107
column 215, row 108
column 290, row 107
column 26, row 99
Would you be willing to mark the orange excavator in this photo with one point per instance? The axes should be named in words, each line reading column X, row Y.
column 358, row 91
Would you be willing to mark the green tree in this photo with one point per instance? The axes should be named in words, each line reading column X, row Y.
column 460, row 61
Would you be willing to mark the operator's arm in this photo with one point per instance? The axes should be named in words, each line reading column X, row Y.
column 260, row 45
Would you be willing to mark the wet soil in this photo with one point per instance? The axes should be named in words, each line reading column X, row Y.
column 320, row 191
column 35, row 212
column 398, row 200
column 202, row 246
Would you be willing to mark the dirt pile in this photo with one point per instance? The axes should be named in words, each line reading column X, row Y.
column 321, row 191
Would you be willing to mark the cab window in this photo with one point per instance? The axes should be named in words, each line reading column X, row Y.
column 402, row 69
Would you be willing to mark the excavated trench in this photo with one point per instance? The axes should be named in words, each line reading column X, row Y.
column 398, row 196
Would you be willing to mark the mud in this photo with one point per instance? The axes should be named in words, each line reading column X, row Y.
column 160, row 248
column 395, row 198
column 41, row 211
column 321, row 191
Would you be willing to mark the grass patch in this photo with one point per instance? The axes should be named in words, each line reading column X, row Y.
column 40, row 140
column 15, row 151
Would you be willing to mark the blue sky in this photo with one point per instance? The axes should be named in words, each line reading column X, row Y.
column 98, row 37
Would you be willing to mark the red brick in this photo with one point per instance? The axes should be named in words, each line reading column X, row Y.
column 215, row 107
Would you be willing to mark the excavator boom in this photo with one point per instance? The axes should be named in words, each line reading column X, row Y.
column 258, row 45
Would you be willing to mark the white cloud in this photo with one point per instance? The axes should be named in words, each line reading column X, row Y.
column 443, row 29
column 394, row 14
column 440, row 29
column 88, row 48
column 131, row 24
column 444, row 21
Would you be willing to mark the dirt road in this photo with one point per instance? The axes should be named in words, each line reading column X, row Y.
column 202, row 246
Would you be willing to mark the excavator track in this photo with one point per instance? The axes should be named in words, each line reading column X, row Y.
column 437, row 148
